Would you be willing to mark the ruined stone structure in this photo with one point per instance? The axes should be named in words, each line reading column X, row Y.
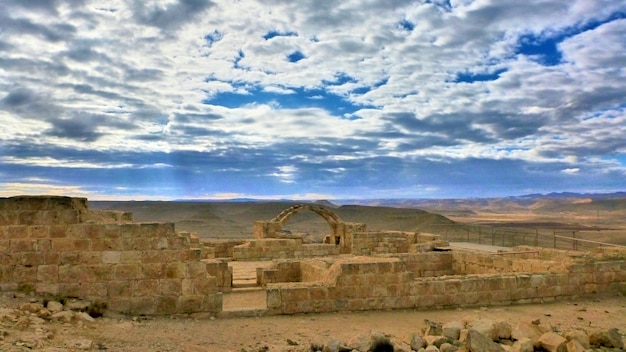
column 440, row 280
column 57, row 246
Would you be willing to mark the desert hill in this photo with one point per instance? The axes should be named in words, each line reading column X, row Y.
column 235, row 219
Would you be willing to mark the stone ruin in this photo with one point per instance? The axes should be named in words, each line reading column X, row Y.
column 56, row 246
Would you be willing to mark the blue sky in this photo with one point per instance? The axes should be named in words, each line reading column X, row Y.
column 176, row 99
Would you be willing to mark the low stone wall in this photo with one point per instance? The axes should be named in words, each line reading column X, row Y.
column 222, row 248
column 384, row 242
column 363, row 283
column 273, row 248
column 282, row 271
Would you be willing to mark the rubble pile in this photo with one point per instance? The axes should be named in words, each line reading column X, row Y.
column 481, row 335
column 34, row 325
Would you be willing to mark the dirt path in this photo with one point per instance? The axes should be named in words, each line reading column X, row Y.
column 280, row 333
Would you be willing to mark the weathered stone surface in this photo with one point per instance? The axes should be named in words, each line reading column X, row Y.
column 452, row 329
column 501, row 330
column 551, row 341
column 522, row 345
column 399, row 345
column 606, row 338
column 359, row 343
column 447, row 347
column 525, row 330
column 478, row 342
column 54, row 306
column 65, row 316
column 579, row 336
column 435, row 340
column 417, row 342
column 483, row 326
column 574, row 346
column 433, row 328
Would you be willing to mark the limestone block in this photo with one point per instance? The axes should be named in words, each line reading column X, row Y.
column 152, row 305
column 47, row 288
column 126, row 271
column 204, row 285
column 144, row 287
column 90, row 258
column 551, row 341
column 48, row 274
column 111, row 257
column 136, row 243
column 131, row 257
column 273, row 298
column 21, row 245
column 175, row 270
column 119, row 288
column 94, row 290
column 107, row 244
column 190, row 304
column 170, row 287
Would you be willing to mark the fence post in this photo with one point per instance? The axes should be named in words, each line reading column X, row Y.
column 468, row 233
column 536, row 237
column 574, row 242
column 554, row 237
column 493, row 237
column 479, row 232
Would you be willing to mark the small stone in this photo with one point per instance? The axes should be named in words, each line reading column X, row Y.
column 79, row 344
column 417, row 342
column 452, row 329
column 54, row 306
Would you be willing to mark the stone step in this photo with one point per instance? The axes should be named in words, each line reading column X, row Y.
column 239, row 289
column 242, row 313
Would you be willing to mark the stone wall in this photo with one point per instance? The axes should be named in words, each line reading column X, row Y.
column 133, row 268
column 274, row 248
column 383, row 242
column 430, row 281
column 221, row 248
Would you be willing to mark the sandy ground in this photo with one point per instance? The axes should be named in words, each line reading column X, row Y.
column 297, row 332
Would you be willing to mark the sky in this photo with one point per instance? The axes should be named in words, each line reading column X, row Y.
column 310, row 99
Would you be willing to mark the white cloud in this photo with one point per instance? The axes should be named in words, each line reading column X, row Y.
column 140, row 76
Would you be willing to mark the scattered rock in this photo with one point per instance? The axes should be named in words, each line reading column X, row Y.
column 523, row 345
column 452, row 330
column 606, row 338
column 479, row 342
column 65, row 316
column 79, row 344
column 54, row 306
column 417, row 342
column 77, row 305
column 433, row 328
column 550, row 341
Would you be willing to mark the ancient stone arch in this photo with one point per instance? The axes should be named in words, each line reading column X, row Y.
column 331, row 218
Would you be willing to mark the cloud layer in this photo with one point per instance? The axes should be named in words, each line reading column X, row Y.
column 306, row 99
